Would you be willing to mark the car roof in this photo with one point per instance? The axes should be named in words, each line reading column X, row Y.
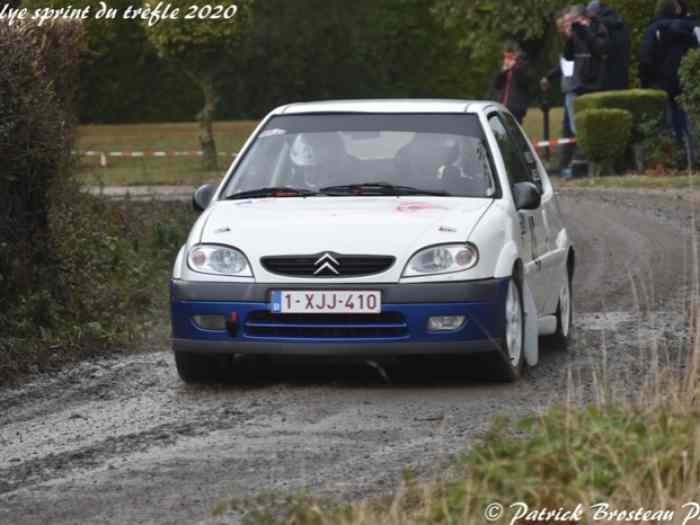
column 386, row 106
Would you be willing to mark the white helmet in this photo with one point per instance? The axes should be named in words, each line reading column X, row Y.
column 302, row 153
column 314, row 149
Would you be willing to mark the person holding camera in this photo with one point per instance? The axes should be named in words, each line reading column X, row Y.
column 511, row 86
column 563, row 72
column 587, row 46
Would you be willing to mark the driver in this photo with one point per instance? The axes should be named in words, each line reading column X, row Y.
column 316, row 158
column 466, row 169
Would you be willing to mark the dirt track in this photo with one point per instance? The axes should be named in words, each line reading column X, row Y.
column 121, row 440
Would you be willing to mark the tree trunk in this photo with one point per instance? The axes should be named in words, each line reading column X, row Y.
column 205, row 119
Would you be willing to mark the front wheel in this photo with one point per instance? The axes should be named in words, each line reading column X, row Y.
column 510, row 360
column 196, row 368
column 565, row 314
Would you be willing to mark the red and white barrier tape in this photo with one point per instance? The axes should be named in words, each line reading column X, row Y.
column 552, row 144
column 147, row 153
column 144, row 154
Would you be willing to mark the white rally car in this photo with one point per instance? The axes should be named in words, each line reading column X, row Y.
column 376, row 229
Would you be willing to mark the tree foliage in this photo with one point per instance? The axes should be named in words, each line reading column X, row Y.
column 484, row 25
column 277, row 51
column 204, row 49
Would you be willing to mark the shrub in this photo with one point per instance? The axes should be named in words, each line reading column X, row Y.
column 690, row 79
column 644, row 104
column 604, row 135
column 38, row 86
column 647, row 109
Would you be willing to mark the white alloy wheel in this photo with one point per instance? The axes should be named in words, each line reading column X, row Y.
column 565, row 309
column 514, row 324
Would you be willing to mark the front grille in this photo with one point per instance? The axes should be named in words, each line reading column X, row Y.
column 387, row 325
column 328, row 265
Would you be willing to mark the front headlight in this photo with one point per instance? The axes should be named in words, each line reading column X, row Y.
column 218, row 260
column 445, row 258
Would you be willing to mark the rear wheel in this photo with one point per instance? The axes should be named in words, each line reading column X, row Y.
column 510, row 360
column 565, row 314
column 197, row 368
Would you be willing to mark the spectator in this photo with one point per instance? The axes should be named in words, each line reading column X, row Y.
column 617, row 70
column 666, row 41
column 511, row 86
column 564, row 73
column 587, row 46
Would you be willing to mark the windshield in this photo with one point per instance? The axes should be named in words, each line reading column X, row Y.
column 405, row 154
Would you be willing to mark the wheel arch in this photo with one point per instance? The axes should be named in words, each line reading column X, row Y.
column 531, row 347
column 507, row 261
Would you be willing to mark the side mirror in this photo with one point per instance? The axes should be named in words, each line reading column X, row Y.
column 527, row 196
column 202, row 197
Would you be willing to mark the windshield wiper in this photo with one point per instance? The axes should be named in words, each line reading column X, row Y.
column 274, row 191
column 380, row 188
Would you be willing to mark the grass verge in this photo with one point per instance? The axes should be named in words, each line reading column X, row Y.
column 627, row 458
column 652, row 182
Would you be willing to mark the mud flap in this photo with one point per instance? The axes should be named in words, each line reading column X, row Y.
column 532, row 350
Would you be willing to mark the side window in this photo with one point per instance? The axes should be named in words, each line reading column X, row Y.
column 515, row 164
column 524, row 150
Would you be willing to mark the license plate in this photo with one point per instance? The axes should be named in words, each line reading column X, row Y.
column 326, row 302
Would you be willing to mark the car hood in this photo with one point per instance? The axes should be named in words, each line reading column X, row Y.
column 353, row 225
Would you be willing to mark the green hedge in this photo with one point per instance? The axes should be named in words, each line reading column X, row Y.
column 604, row 135
column 690, row 78
column 643, row 104
column 38, row 92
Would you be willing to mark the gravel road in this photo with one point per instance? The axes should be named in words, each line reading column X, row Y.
column 121, row 440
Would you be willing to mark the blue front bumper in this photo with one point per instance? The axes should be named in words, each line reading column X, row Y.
column 401, row 328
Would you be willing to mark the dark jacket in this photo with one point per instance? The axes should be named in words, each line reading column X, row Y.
column 512, row 88
column 617, row 69
column 665, row 43
column 588, row 48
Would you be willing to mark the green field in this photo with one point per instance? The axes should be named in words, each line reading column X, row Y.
column 230, row 136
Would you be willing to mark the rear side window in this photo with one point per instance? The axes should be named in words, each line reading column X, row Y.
column 511, row 153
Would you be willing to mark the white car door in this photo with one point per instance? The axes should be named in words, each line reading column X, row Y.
column 551, row 258
column 532, row 225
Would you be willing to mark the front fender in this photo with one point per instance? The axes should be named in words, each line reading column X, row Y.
column 506, row 260
column 179, row 261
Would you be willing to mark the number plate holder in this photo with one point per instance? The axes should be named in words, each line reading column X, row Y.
column 346, row 302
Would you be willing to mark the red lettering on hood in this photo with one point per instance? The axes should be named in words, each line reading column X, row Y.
column 414, row 207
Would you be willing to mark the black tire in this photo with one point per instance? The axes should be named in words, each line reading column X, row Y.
column 197, row 368
column 505, row 367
